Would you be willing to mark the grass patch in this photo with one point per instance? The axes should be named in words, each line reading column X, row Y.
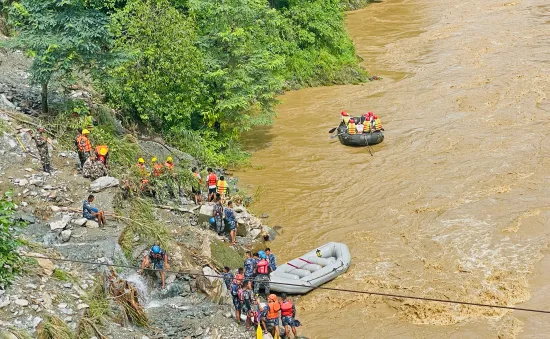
column 224, row 255
column 95, row 316
column 62, row 275
column 53, row 328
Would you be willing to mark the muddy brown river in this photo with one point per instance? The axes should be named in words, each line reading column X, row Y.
column 454, row 204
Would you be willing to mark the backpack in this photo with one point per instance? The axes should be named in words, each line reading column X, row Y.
column 235, row 290
column 240, row 294
column 263, row 266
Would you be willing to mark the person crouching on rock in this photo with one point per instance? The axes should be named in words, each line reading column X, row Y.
column 91, row 213
column 158, row 259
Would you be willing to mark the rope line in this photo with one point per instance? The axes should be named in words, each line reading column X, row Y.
column 381, row 294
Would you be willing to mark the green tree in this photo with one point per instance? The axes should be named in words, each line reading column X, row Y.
column 61, row 36
column 10, row 261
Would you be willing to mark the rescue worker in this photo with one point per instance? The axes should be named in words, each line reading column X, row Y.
column 143, row 171
column 273, row 315
column 262, row 274
column 377, row 124
column 235, row 290
column 227, row 277
column 247, row 303
column 84, row 147
column 102, row 153
column 91, row 213
column 288, row 313
column 169, row 164
column 249, row 266
column 157, row 168
column 42, row 146
column 221, row 187
column 271, row 259
column 196, row 187
column 345, row 118
column 351, row 126
column 211, row 181
column 217, row 213
column 231, row 220
column 158, row 259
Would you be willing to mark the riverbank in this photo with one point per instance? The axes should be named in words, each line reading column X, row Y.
column 454, row 195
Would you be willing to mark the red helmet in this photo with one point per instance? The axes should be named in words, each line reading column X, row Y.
column 239, row 277
column 351, row 120
column 344, row 114
column 375, row 116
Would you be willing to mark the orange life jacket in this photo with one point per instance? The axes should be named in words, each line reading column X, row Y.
column 351, row 127
column 377, row 124
column 212, row 180
column 222, row 187
column 169, row 165
column 157, row 169
column 263, row 266
column 196, row 175
column 84, row 144
column 274, row 308
column 286, row 308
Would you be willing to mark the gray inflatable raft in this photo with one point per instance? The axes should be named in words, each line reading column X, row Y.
column 310, row 270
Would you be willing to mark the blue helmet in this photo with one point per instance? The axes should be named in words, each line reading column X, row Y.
column 212, row 221
column 262, row 255
column 156, row 249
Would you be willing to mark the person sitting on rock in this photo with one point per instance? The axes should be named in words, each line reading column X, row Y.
column 158, row 259
column 92, row 213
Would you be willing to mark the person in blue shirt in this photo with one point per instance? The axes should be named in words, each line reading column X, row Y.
column 227, row 276
column 156, row 259
column 249, row 266
column 271, row 259
column 231, row 220
column 92, row 213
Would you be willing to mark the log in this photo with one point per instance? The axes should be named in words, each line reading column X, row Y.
column 179, row 209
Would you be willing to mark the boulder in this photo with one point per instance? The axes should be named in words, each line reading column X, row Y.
column 5, row 334
column 45, row 264
column 255, row 233
column 66, row 235
column 60, row 221
column 23, row 182
column 242, row 230
column 205, row 213
column 5, row 103
column 215, row 288
column 79, row 222
column 102, row 183
column 92, row 224
column 270, row 232
column 22, row 302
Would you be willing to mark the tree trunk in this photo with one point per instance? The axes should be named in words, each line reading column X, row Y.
column 44, row 95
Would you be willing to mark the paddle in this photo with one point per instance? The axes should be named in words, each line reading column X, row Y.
column 368, row 146
column 334, row 136
column 332, row 130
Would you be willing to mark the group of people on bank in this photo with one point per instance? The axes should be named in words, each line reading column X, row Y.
column 93, row 161
column 366, row 123
column 245, row 287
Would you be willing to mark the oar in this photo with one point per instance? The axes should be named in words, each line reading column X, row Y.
column 334, row 136
column 332, row 130
column 368, row 146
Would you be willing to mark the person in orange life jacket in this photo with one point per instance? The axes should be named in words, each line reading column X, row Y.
column 169, row 164
column 196, row 187
column 102, row 153
column 217, row 213
column 377, row 124
column 288, row 313
column 273, row 309
column 211, row 181
column 158, row 259
column 84, row 146
column 262, row 273
column 157, row 168
column 144, row 172
column 351, row 127
column 345, row 118
column 271, row 259
column 222, row 187
column 236, row 293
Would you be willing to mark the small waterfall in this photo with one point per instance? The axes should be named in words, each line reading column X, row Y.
column 140, row 285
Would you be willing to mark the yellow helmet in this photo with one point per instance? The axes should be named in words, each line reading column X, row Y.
column 103, row 151
column 169, row 159
column 85, row 131
column 141, row 160
column 154, row 159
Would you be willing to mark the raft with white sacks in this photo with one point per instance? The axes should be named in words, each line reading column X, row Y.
column 312, row 269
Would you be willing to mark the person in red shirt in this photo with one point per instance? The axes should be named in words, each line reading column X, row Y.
column 211, row 182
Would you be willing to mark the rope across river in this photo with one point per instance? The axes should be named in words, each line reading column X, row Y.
column 381, row 294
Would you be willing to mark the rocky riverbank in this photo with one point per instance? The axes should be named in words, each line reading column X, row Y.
column 191, row 306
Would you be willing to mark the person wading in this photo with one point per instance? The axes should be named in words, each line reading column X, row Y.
column 211, row 182
column 158, row 259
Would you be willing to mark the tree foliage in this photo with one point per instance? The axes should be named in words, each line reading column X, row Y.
column 10, row 261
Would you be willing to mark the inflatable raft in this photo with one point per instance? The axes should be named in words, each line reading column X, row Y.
column 311, row 269
column 363, row 139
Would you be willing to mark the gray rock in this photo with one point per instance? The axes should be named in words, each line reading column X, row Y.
column 4, row 303
column 205, row 212
column 62, row 306
column 66, row 235
column 79, row 222
column 4, row 334
column 255, row 233
column 23, row 182
column 60, row 221
column 82, row 306
column 92, row 224
column 36, row 321
column 31, row 286
column 22, row 302
column 102, row 183
column 5, row 103
column 36, row 182
column 270, row 232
